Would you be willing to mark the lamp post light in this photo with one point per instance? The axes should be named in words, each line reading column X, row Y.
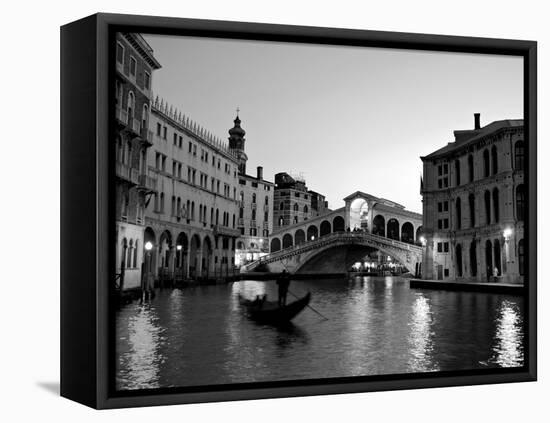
column 145, row 287
column 507, row 234
column 423, row 241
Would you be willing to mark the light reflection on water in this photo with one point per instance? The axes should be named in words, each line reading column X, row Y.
column 199, row 336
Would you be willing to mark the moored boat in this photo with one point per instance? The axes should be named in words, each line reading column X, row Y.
column 264, row 311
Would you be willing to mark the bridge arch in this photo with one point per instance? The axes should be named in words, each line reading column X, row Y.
column 287, row 241
column 299, row 237
column 325, row 228
column 393, row 229
column 338, row 224
column 407, row 232
column 275, row 245
column 379, row 225
column 312, row 232
column 409, row 260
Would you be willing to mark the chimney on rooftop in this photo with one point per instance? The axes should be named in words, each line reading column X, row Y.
column 476, row 121
column 260, row 172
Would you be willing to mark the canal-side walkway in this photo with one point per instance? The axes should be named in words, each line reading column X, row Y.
column 492, row 287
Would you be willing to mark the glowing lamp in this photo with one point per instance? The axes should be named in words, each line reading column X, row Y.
column 148, row 245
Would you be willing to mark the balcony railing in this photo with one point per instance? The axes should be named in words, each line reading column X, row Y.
column 252, row 223
column 127, row 173
column 240, row 221
column 148, row 182
column 266, row 225
column 223, row 230
column 253, row 206
column 122, row 116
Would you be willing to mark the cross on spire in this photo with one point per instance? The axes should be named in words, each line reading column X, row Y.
column 238, row 110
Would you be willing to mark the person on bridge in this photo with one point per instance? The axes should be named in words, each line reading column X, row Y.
column 283, row 282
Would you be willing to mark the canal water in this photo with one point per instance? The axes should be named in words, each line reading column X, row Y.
column 376, row 325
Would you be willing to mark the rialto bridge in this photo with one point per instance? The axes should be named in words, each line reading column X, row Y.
column 366, row 223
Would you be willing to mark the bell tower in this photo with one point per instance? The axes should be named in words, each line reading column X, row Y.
column 236, row 143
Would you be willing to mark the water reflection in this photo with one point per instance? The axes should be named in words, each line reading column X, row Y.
column 142, row 341
column 508, row 349
column 201, row 336
column 421, row 337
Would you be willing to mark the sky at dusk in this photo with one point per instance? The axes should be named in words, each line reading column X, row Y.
column 347, row 118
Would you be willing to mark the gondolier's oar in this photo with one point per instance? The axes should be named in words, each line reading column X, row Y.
column 324, row 317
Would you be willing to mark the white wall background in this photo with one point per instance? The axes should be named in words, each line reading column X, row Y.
column 30, row 208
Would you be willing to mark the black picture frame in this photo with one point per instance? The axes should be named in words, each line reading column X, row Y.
column 87, row 212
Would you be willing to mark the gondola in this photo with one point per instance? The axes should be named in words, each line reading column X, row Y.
column 263, row 311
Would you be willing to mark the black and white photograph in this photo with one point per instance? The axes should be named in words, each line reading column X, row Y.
column 289, row 212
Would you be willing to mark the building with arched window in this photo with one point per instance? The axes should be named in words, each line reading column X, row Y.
column 255, row 216
column 135, row 64
column 473, row 228
column 296, row 203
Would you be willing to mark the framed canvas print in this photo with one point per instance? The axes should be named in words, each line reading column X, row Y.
column 256, row 211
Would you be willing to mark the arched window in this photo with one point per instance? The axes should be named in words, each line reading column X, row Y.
column 520, row 202
column 471, row 168
column 282, row 205
column 119, row 150
column 486, row 167
column 521, row 257
column 217, row 216
column 253, row 198
column 519, row 155
column 473, row 258
column 124, row 247
column 458, row 205
column 241, row 212
column 145, row 117
column 487, row 197
column 489, row 258
column 241, row 196
column 136, row 245
column 458, row 254
column 494, row 160
column 125, row 204
column 275, row 244
column 253, row 214
column 295, row 207
column 496, row 206
column 128, row 154
column 393, row 229
column 267, row 201
column 498, row 262
column 131, row 104
column 287, row 241
column 379, row 225
column 472, row 204
column 306, row 209
column 118, row 93
column 130, row 253
column 457, row 172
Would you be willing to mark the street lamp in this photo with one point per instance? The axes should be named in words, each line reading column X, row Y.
column 423, row 241
column 178, row 247
column 507, row 233
column 145, row 278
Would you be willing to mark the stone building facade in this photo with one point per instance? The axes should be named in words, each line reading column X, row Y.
column 255, row 196
column 294, row 203
column 474, row 205
column 135, row 65
column 191, row 218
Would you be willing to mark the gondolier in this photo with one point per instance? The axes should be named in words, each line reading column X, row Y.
column 283, row 282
